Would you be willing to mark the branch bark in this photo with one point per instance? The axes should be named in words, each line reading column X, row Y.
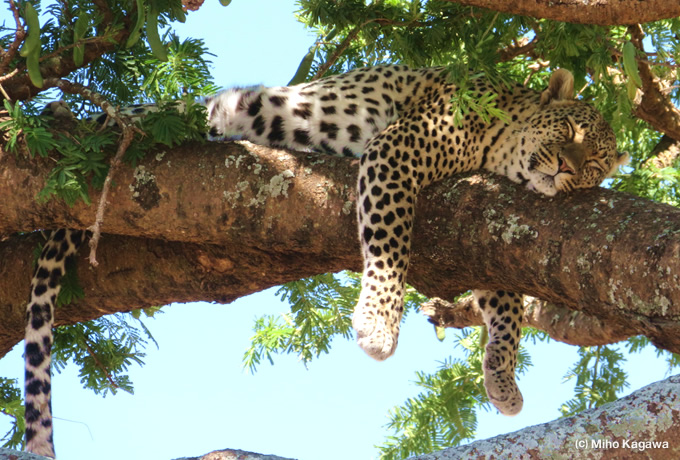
column 620, row 429
column 599, row 12
column 664, row 154
column 220, row 220
column 655, row 107
column 563, row 325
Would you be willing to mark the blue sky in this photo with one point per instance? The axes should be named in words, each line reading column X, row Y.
column 193, row 395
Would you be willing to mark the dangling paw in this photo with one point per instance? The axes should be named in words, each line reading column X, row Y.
column 499, row 379
column 374, row 335
column 503, row 392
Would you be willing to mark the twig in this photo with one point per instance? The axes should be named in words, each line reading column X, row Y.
column 524, row 46
column 323, row 68
column 82, row 41
column 99, row 364
column 18, row 38
column 128, row 131
column 535, row 68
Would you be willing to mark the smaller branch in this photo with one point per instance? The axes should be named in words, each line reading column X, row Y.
column 128, row 136
column 664, row 154
column 84, row 41
column 338, row 51
column 535, row 68
column 523, row 46
column 561, row 324
column 128, row 131
column 655, row 107
column 99, row 364
column 618, row 53
column 107, row 14
column 18, row 38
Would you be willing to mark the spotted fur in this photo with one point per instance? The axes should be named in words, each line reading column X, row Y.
column 399, row 121
column 38, row 340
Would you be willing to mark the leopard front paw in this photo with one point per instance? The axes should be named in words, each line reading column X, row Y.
column 496, row 358
column 503, row 392
column 375, row 335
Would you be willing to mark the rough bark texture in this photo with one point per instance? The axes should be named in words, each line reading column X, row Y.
column 614, row 431
column 221, row 220
column 600, row 12
column 233, row 454
column 654, row 107
column 664, row 154
column 563, row 325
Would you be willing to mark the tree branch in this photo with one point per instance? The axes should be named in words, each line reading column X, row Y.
column 612, row 431
column 561, row 324
column 664, row 154
column 220, row 220
column 599, row 12
column 655, row 106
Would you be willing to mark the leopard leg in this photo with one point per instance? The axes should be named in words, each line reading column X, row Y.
column 502, row 312
column 38, row 341
column 385, row 213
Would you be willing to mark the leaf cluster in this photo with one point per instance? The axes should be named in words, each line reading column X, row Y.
column 599, row 379
column 320, row 308
column 103, row 349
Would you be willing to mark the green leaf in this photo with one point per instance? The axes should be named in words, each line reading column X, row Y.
column 630, row 64
column 33, row 67
column 80, row 29
column 32, row 40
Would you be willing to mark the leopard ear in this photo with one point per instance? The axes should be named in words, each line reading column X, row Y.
column 622, row 159
column 560, row 88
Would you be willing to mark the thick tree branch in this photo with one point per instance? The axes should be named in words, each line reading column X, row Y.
column 221, row 220
column 620, row 429
column 599, row 12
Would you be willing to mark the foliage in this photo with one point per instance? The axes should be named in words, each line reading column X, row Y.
column 103, row 349
column 320, row 308
column 599, row 378
column 444, row 414
column 12, row 404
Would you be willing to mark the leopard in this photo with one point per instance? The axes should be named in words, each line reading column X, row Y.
column 399, row 122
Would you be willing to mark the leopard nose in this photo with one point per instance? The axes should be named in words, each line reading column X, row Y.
column 564, row 167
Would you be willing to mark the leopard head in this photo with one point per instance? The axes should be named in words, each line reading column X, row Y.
column 567, row 144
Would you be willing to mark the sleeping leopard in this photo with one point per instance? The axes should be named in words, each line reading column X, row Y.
column 399, row 121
